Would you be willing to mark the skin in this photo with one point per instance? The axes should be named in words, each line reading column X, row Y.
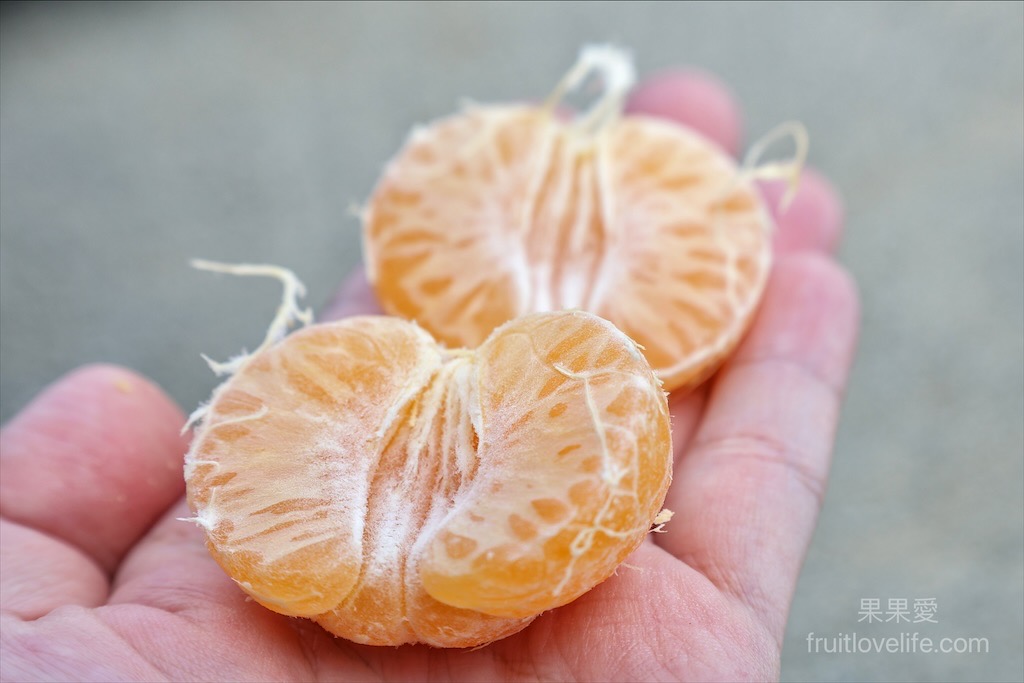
column 100, row 582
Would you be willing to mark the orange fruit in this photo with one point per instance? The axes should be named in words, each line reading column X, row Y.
column 360, row 474
column 504, row 210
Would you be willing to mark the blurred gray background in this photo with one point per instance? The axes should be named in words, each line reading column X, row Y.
column 136, row 136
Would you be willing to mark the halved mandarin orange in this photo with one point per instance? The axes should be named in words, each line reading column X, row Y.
column 362, row 475
column 501, row 211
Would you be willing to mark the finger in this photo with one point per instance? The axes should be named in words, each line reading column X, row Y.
column 693, row 98
column 663, row 614
column 812, row 222
column 93, row 461
column 814, row 219
column 685, row 408
column 354, row 297
column 39, row 573
column 748, row 491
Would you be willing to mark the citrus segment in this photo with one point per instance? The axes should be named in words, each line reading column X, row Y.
column 285, row 516
column 694, row 254
column 504, row 210
column 425, row 250
column 579, row 455
column 359, row 474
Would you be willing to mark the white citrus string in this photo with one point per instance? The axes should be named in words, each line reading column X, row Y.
column 288, row 313
column 614, row 67
column 789, row 170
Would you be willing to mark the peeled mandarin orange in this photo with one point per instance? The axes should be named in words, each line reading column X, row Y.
column 501, row 211
column 360, row 474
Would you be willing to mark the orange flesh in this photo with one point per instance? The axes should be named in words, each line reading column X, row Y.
column 359, row 474
column 503, row 211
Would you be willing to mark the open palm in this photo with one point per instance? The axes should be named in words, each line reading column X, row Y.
column 100, row 582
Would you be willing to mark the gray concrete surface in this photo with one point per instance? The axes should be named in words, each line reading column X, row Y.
column 136, row 136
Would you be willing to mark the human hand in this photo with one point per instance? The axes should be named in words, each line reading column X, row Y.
column 99, row 581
